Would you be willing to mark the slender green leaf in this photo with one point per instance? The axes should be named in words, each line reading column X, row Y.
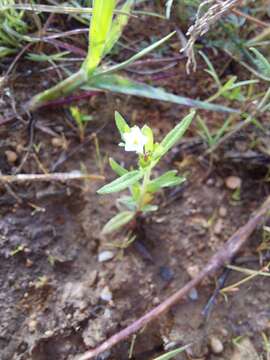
column 175, row 135
column 118, row 221
column 118, row 169
column 122, row 85
column 99, row 29
column 4, row 51
column 211, row 71
column 261, row 62
column 121, row 124
column 205, row 133
column 128, row 202
column 169, row 355
column 121, row 183
column 117, row 26
column 135, row 57
column 149, row 208
column 166, row 180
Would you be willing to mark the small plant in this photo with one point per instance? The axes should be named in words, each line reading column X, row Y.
column 81, row 121
column 139, row 181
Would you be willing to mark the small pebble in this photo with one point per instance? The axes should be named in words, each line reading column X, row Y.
column 216, row 345
column 48, row 333
column 193, row 271
column 11, row 156
column 57, row 142
column 193, row 294
column 32, row 325
column 223, row 211
column 105, row 256
column 166, row 273
column 218, row 227
column 29, row 263
column 106, row 294
column 233, row 182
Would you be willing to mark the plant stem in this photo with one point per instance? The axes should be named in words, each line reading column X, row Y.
column 63, row 88
column 146, row 180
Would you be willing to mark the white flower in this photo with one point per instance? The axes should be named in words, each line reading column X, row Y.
column 134, row 140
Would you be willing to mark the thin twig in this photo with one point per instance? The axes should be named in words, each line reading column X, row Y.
column 251, row 18
column 221, row 258
column 73, row 175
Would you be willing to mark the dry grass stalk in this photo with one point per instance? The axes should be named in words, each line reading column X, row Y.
column 216, row 9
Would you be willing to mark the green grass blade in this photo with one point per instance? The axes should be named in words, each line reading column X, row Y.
column 117, row 26
column 100, row 27
column 122, row 85
column 169, row 355
column 136, row 57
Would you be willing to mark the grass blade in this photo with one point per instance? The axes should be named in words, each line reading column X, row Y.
column 122, row 85
column 117, row 26
column 136, row 57
column 169, row 355
column 101, row 23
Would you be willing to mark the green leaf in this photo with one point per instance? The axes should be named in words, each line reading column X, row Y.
column 118, row 169
column 174, row 135
column 121, row 183
column 137, row 56
column 122, row 85
column 128, row 202
column 166, row 180
column 118, row 221
column 261, row 62
column 147, row 131
column 117, row 26
column 121, row 124
column 169, row 355
column 135, row 190
column 100, row 27
column 149, row 208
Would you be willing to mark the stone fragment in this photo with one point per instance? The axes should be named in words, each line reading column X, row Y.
column 233, row 182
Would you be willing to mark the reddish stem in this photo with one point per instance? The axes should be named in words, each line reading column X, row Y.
column 221, row 258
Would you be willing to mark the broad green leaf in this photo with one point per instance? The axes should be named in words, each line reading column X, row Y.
column 170, row 355
column 175, row 135
column 121, row 124
column 121, row 183
column 117, row 26
column 100, row 27
column 166, row 180
column 118, row 169
column 147, row 131
column 122, row 85
column 118, row 221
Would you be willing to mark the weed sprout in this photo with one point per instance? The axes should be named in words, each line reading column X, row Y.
column 140, row 183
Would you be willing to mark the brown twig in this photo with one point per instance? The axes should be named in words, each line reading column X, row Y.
column 250, row 18
column 221, row 258
column 73, row 175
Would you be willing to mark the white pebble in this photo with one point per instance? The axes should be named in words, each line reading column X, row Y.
column 105, row 256
column 106, row 294
column 216, row 345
